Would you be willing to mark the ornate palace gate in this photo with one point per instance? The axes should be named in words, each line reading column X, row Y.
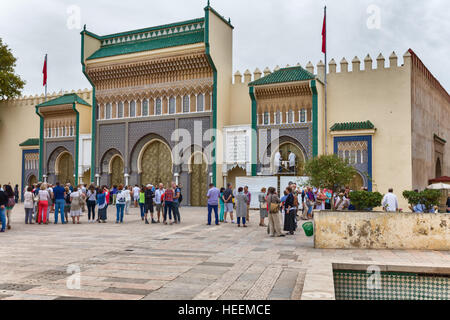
column 156, row 164
column 65, row 168
column 198, row 180
column 117, row 171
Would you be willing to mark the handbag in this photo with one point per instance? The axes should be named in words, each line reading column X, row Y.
column 11, row 202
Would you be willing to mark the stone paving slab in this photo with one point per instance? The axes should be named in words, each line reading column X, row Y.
column 186, row 261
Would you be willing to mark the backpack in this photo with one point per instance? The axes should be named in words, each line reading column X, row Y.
column 121, row 199
column 295, row 201
column 180, row 198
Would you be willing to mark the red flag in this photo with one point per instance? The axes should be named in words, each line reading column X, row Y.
column 324, row 33
column 44, row 71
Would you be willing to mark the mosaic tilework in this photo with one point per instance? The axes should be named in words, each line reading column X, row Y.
column 189, row 123
column 352, row 285
column 111, row 136
column 53, row 149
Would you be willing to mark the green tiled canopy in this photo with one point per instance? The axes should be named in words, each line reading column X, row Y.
column 348, row 126
column 290, row 74
column 69, row 98
column 159, row 43
column 30, row 142
column 166, row 36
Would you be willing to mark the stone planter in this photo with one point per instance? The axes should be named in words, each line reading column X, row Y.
column 381, row 230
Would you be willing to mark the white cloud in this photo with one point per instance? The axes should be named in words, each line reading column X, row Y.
column 267, row 32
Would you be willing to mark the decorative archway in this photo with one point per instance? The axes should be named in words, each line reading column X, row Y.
column 116, row 170
column 64, row 168
column 357, row 183
column 198, row 172
column 284, row 149
column 86, row 176
column 155, row 163
column 237, row 171
column 32, row 180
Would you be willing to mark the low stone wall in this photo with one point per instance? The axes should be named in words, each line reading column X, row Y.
column 381, row 230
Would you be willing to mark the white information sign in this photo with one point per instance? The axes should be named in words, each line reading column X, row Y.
column 255, row 184
column 236, row 146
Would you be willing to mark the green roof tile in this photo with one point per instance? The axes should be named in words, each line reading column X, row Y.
column 348, row 126
column 151, row 29
column 173, row 40
column 30, row 142
column 65, row 99
column 290, row 74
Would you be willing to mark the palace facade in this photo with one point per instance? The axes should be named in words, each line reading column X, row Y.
column 391, row 120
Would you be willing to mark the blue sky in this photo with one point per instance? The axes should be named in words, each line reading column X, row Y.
column 267, row 32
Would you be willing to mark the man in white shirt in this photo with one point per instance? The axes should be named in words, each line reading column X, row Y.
column 277, row 161
column 158, row 193
column 390, row 202
column 291, row 161
column 136, row 191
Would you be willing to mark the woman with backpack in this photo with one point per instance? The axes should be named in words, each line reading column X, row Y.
column 273, row 203
column 290, row 207
column 120, row 204
column 11, row 203
column 91, row 202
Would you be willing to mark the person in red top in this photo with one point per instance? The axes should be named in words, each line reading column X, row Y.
column 167, row 198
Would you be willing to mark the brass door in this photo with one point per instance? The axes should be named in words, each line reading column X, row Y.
column 199, row 180
column 66, row 169
column 87, row 177
column 357, row 183
column 32, row 180
column 156, row 164
column 299, row 157
column 117, row 171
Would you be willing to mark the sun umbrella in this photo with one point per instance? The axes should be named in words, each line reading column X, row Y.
column 439, row 186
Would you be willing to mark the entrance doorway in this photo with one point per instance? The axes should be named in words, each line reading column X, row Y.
column 65, row 168
column 199, row 180
column 156, row 164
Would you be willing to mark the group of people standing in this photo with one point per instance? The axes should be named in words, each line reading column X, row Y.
column 271, row 207
column 67, row 201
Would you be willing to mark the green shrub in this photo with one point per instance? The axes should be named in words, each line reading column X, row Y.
column 365, row 200
column 429, row 198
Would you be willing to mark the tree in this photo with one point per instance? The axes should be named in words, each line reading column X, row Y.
column 329, row 171
column 11, row 84
column 365, row 200
column 429, row 198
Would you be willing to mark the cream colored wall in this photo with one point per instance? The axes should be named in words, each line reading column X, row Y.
column 383, row 96
column 430, row 116
column 90, row 46
column 85, row 118
column 221, row 50
column 240, row 111
column 19, row 122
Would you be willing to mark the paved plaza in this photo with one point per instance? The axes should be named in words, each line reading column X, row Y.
column 186, row 261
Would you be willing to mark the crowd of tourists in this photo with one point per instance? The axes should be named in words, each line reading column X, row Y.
column 67, row 202
column 283, row 211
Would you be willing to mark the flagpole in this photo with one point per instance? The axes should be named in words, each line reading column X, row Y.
column 46, row 78
column 326, row 85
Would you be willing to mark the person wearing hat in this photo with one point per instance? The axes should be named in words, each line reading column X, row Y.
column 149, row 195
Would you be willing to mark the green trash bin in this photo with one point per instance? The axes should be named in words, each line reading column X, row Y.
column 308, row 227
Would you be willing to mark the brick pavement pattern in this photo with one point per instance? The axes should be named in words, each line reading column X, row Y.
column 186, row 261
